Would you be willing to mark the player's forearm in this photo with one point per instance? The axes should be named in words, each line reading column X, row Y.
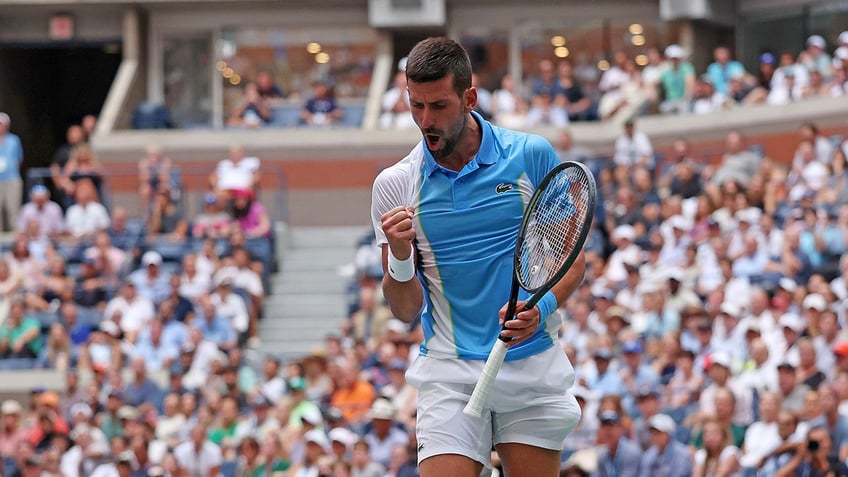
column 405, row 298
column 572, row 279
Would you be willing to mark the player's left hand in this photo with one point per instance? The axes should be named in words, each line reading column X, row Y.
column 524, row 325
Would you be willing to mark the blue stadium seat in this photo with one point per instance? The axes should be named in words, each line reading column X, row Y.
column 353, row 115
column 46, row 318
column 89, row 316
column 16, row 364
column 228, row 468
column 171, row 251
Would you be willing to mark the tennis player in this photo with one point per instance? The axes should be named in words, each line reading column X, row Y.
column 447, row 216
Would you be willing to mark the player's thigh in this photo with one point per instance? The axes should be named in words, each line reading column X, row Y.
column 522, row 460
column 544, row 424
column 449, row 465
column 442, row 429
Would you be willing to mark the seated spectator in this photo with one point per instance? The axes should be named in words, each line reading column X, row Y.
column 83, row 165
column 321, row 109
column 629, row 98
column 121, row 235
column 49, row 214
column 384, row 435
column 130, row 310
column 213, row 222
column 633, row 148
column 213, row 326
column 543, row 107
column 198, row 455
column 154, row 171
column 74, row 136
column 717, row 456
column 705, row 99
column 56, row 353
column 618, row 455
column 232, row 308
column 723, row 69
column 250, row 215
column 150, row 281
column 395, row 105
column 23, row 264
column 813, row 456
column 193, row 283
column 89, row 288
column 788, row 81
column 166, row 218
column 666, row 457
column 109, row 261
column 738, row 164
column 815, row 58
column 570, row 95
column 678, row 82
column 40, row 246
column 141, row 389
column 266, row 87
column 55, row 286
column 237, row 172
column 508, row 107
column 652, row 76
column 20, row 334
column 252, row 109
column 87, row 216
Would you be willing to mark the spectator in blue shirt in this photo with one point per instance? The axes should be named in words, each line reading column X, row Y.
column 666, row 457
column 618, row 455
column 153, row 349
column 321, row 109
column 150, row 281
column 141, row 390
column 723, row 69
column 11, row 185
column 212, row 326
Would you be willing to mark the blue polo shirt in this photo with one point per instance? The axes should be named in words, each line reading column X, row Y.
column 11, row 156
column 466, row 225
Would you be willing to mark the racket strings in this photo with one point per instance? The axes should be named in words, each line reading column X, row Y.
column 553, row 231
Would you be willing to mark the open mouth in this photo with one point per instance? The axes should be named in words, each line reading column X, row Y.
column 432, row 140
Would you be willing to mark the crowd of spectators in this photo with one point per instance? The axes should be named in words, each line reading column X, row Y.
column 558, row 93
column 709, row 337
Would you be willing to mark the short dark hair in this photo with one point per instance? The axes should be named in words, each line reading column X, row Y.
column 436, row 58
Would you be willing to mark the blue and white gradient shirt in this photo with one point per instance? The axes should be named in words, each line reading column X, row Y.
column 466, row 225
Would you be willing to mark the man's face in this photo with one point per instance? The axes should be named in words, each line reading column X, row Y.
column 440, row 113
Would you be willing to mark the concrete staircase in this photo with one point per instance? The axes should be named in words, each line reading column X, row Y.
column 309, row 297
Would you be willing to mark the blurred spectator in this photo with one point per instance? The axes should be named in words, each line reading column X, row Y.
column 352, row 395
column 267, row 88
column 213, row 221
column 154, row 173
column 738, row 164
column 88, row 215
column 141, row 389
column 484, row 98
column 384, row 435
column 110, row 262
column 395, row 105
column 723, row 68
column 616, row 76
column 570, row 95
column 130, row 310
column 166, row 218
column 361, row 464
column 568, row 151
column 12, row 432
column 214, row 327
column 678, row 81
column 237, row 172
column 83, row 165
column 11, row 158
column 652, row 76
column 508, row 107
column 250, row 215
column 633, row 148
column 74, row 136
column 20, row 334
column 193, row 283
column 321, row 109
column 89, row 125
column 618, row 455
column 812, row 456
column 232, row 308
column 151, row 281
column 48, row 214
column 705, row 99
column 252, row 109
column 543, row 106
column 199, row 456
column 815, row 58
column 370, row 319
column 788, row 81
column 666, row 457
column 628, row 98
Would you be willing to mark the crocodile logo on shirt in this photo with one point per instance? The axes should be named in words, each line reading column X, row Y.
column 503, row 187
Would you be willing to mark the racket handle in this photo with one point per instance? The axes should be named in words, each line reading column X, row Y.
column 480, row 395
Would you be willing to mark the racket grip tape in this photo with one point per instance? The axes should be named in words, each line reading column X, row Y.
column 480, row 395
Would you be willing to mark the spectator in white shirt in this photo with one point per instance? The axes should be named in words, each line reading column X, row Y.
column 236, row 172
column 130, row 310
column 87, row 216
column 633, row 148
column 199, row 457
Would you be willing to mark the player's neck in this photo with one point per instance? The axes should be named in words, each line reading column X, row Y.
column 466, row 149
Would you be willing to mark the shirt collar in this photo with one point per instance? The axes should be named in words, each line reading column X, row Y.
column 484, row 154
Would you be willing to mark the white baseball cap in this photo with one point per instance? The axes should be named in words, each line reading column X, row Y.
column 817, row 41
column 843, row 37
column 815, row 301
column 151, row 257
column 662, row 423
column 318, row 437
column 674, row 51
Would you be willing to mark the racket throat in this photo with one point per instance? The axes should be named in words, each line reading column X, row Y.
column 511, row 310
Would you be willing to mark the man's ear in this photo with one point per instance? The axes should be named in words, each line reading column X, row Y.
column 469, row 99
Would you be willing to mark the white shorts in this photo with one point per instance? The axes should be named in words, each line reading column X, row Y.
column 529, row 404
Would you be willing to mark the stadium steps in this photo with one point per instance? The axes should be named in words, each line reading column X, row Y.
column 308, row 297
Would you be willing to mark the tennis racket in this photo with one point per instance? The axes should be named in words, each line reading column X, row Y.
column 553, row 230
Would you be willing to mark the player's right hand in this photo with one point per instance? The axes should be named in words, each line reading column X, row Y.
column 397, row 225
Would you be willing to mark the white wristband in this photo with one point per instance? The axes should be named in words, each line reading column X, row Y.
column 401, row 270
